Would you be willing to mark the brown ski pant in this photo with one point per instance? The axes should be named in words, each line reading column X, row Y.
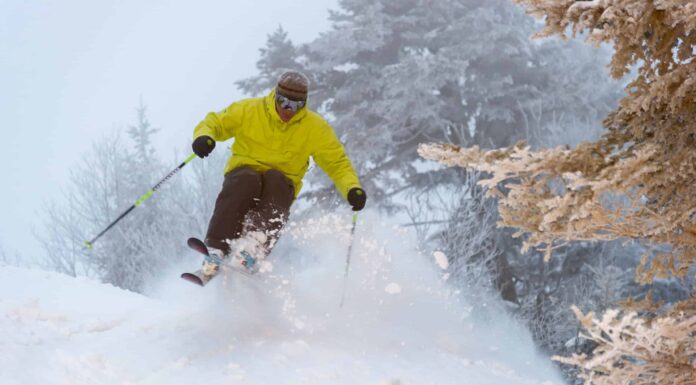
column 250, row 201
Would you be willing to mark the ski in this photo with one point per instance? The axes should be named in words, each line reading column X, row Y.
column 197, row 276
column 198, row 245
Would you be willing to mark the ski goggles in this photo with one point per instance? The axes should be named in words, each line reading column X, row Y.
column 289, row 104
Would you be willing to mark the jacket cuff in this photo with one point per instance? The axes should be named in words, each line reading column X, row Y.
column 203, row 131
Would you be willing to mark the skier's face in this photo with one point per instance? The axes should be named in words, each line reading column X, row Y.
column 287, row 108
column 285, row 114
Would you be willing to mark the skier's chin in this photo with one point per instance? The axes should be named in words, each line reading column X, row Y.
column 285, row 115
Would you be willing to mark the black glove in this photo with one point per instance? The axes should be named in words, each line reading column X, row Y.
column 203, row 146
column 357, row 198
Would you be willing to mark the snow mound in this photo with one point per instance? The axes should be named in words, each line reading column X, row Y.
column 281, row 327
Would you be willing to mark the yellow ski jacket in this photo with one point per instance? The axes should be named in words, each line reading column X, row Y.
column 263, row 141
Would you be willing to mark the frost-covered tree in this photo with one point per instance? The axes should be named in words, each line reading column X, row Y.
column 633, row 351
column 87, row 205
column 141, row 136
column 635, row 182
column 392, row 74
column 465, row 230
column 8, row 258
column 107, row 181
column 478, row 249
column 63, row 236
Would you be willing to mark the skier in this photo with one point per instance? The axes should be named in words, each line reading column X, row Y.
column 274, row 137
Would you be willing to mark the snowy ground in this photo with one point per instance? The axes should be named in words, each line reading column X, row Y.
column 400, row 324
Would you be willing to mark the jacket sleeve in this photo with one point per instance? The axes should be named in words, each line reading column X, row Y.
column 221, row 125
column 330, row 155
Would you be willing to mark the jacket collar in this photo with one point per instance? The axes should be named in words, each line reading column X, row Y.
column 270, row 108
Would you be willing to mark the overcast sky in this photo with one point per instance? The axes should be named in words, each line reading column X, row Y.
column 72, row 71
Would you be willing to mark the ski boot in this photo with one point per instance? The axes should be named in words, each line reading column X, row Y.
column 212, row 261
column 249, row 250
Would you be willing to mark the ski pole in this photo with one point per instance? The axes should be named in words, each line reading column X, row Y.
column 350, row 248
column 89, row 244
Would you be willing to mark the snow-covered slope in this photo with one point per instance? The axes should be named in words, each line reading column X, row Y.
column 400, row 323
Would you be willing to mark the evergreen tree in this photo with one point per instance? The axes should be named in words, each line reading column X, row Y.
column 393, row 74
column 141, row 134
column 278, row 55
column 633, row 183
